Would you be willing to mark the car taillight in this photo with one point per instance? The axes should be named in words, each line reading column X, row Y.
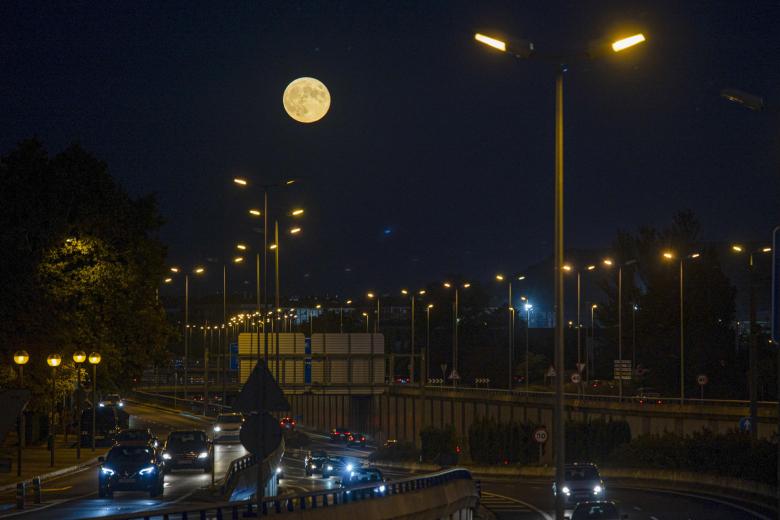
column 362, row 438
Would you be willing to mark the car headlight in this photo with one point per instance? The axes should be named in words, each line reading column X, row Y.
column 147, row 470
column 382, row 488
column 597, row 489
column 329, row 468
column 349, row 467
column 313, row 466
column 167, row 456
column 217, row 428
column 278, row 469
column 203, row 455
column 102, row 405
column 566, row 490
column 107, row 471
column 121, row 405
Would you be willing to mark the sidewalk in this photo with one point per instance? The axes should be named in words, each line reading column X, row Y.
column 36, row 460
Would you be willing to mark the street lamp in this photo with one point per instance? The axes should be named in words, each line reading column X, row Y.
column 78, row 358
column 528, row 307
column 523, row 50
column 197, row 271
column 592, row 355
column 669, row 255
column 21, row 357
column 511, row 329
column 341, row 316
column 94, row 360
column 609, row 262
column 412, row 297
column 365, row 315
column 753, row 349
column 454, row 375
column 428, row 341
column 370, row 295
column 54, row 360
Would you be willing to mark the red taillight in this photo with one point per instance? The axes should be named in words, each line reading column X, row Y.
column 362, row 438
column 293, row 423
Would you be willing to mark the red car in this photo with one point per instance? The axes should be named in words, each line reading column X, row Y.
column 287, row 423
column 339, row 434
column 356, row 439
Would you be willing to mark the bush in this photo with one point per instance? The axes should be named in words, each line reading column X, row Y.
column 439, row 445
column 492, row 442
column 401, row 451
column 594, row 441
column 730, row 455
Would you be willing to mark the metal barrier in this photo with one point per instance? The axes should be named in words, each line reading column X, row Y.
column 236, row 466
column 304, row 501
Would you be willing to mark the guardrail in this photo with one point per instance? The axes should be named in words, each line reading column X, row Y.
column 236, row 466
column 304, row 501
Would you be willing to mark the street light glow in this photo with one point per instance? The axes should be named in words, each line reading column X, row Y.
column 174, row 269
column 404, row 291
column 297, row 212
column 199, row 270
column 272, row 247
column 528, row 306
column 591, row 267
column 566, row 267
column 492, row 42
column 668, row 255
column 254, row 212
column 238, row 259
column 241, row 247
column 349, row 302
column 521, row 277
column 695, row 255
column 430, row 306
column 447, row 285
column 168, row 280
column 421, row 292
column 54, row 360
column 240, row 181
column 766, row 250
column 21, row 357
column 370, row 295
column 608, row 261
column 625, row 43
column 736, row 248
column 295, row 231
column 466, row 285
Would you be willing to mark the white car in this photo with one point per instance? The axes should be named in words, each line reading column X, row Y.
column 112, row 400
column 228, row 427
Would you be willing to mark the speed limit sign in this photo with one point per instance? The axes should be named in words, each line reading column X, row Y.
column 540, row 435
column 702, row 379
column 576, row 378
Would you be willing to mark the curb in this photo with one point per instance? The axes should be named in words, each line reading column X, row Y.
column 54, row 474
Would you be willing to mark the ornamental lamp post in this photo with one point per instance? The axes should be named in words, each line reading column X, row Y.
column 21, row 357
column 54, row 360
column 78, row 358
column 94, row 359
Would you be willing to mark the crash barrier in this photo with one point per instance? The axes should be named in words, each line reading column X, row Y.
column 240, row 480
column 456, row 493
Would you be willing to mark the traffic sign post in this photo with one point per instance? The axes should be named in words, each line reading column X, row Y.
column 540, row 436
column 622, row 369
column 702, row 380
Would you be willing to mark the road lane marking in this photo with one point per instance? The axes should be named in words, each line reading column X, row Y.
column 502, row 501
column 51, row 490
column 653, row 518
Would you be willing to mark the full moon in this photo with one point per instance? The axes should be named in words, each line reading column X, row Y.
column 306, row 100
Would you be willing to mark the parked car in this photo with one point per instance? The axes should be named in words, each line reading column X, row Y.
column 314, row 462
column 582, row 483
column 228, row 427
column 339, row 434
column 186, row 449
column 287, row 423
column 130, row 468
column 596, row 510
column 137, row 436
column 356, row 439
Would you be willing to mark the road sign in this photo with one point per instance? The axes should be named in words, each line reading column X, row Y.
column 744, row 424
column 622, row 369
column 702, row 379
column 454, row 375
column 580, row 367
column 550, row 372
column 260, row 434
column 576, row 378
column 260, row 393
column 443, row 367
column 540, row 435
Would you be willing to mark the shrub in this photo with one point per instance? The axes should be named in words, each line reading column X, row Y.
column 438, row 444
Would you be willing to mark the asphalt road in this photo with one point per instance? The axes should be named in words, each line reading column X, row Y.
column 75, row 495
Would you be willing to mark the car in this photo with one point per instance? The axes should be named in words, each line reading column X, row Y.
column 596, row 510
column 359, row 476
column 185, row 449
column 137, row 436
column 112, row 400
column 130, row 468
column 390, row 443
column 648, row 396
column 107, row 426
column 339, row 434
column 582, row 482
column 314, row 462
column 338, row 466
column 287, row 423
column 228, row 427
column 356, row 439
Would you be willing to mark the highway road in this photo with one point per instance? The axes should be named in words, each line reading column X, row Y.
column 75, row 495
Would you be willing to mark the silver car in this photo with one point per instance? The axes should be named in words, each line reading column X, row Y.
column 227, row 428
column 581, row 483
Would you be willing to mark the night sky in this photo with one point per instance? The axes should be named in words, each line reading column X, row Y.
column 436, row 155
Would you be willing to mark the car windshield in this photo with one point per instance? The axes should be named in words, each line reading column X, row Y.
column 112, row 397
column 133, row 435
column 186, row 439
column 230, row 419
column 595, row 511
column 129, row 454
column 583, row 473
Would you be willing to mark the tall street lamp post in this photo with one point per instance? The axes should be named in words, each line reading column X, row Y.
column 94, row 360
column 196, row 271
column 528, row 307
column 592, row 355
column 511, row 327
column 753, row 348
column 525, row 50
column 54, row 360
column 668, row 255
column 372, row 296
column 78, row 359
column 21, row 357
column 412, row 297
column 341, row 316
column 609, row 263
column 427, row 342
column 455, row 375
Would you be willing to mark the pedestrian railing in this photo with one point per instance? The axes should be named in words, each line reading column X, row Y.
column 292, row 504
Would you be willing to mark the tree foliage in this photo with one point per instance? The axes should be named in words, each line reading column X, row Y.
column 80, row 263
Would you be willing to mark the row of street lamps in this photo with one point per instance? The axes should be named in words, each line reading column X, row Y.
column 21, row 358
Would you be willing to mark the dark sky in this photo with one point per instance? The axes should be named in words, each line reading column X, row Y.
column 441, row 142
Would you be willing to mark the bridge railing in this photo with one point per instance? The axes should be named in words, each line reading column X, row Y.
column 293, row 504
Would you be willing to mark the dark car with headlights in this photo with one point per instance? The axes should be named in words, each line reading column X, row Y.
column 137, row 436
column 315, row 462
column 582, row 482
column 360, row 476
column 130, row 468
column 188, row 449
column 356, row 439
column 338, row 466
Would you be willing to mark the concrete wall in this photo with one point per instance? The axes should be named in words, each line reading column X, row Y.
column 401, row 412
